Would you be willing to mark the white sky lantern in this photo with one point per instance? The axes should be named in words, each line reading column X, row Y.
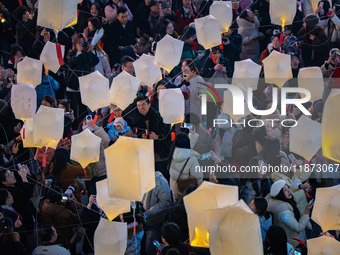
column 111, row 206
column 27, row 133
column 330, row 134
column 29, row 71
column 247, row 73
column 323, row 245
column 207, row 196
column 123, row 90
column 49, row 56
column 130, row 160
column 223, row 12
column 327, row 207
column 94, row 90
column 85, row 148
column 228, row 107
column 110, row 238
column 305, row 138
column 230, row 227
column 48, row 126
column 208, row 31
column 277, row 68
column 23, row 101
column 171, row 105
column 146, row 71
column 282, row 12
column 57, row 14
column 311, row 78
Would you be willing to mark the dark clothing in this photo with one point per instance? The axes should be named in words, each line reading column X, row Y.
column 141, row 18
column 233, row 50
column 243, row 148
column 25, row 31
column 183, row 249
column 208, row 67
column 16, row 248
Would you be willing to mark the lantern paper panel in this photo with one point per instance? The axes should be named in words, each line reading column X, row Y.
column 311, row 78
column 27, row 134
column 222, row 11
column 246, row 73
column 23, row 101
column 49, row 56
column 171, row 105
column 208, row 31
column 146, row 71
column 323, row 245
column 282, row 12
column 29, row 71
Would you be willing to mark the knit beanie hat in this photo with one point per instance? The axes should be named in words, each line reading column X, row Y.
column 276, row 187
column 119, row 122
column 311, row 20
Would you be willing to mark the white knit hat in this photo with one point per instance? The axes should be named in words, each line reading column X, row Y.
column 119, row 122
column 276, row 187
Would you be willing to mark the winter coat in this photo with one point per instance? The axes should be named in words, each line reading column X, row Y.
column 113, row 132
column 68, row 175
column 100, row 167
column 247, row 191
column 47, row 87
column 265, row 225
column 103, row 66
column 201, row 141
column 227, row 140
column 184, row 21
column 233, row 50
column 333, row 29
column 111, row 13
column 243, row 147
column 307, row 7
column 193, row 103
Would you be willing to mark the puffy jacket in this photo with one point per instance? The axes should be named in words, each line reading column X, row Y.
column 47, row 87
column 100, row 167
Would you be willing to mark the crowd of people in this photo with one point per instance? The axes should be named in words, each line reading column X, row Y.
column 48, row 201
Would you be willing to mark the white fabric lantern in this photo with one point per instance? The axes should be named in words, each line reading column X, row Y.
column 277, row 68
column 110, row 205
column 230, row 227
column 168, row 52
column 85, row 148
column 48, row 126
column 146, row 71
column 311, row 78
column 29, row 71
column 130, row 160
column 327, row 207
column 171, row 105
column 246, row 73
column 208, row 31
column 222, row 11
column 94, row 90
column 228, row 107
column 23, row 101
column 27, row 134
column 123, row 90
column 49, row 56
column 207, row 196
column 110, row 238
column 305, row 138
column 282, row 12
column 323, row 245
column 57, row 14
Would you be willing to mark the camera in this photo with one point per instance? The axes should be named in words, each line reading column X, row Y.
column 225, row 39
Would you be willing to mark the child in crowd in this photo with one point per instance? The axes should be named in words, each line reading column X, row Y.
column 117, row 128
column 143, row 45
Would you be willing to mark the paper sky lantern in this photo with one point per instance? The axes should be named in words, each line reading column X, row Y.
column 208, row 31
column 49, row 56
column 111, row 206
column 230, row 227
column 94, row 90
column 146, row 71
column 330, row 134
column 123, row 90
column 23, row 101
column 48, row 126
column 207, row 196
column 27, row 134
column 57, row 14
column 110, row 238
column 171, row 105
column 168, row 52
column 277, row 68
column 282, row 12
column 305, row 138
column 85, row 148
column 246, row 73
column 130, row 160
column 228, row 107
column 327, row 207
column 29, row 71
column 223, row 12
column 311, row 78
column 323, row 245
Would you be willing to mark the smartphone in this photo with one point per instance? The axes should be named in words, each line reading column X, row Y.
column 64, row 198
column 146, row 216
column 291, row 157
column 158, row 246
column 297, row 253
column 187, row 126
column 19, row 166
column 206, row 156
column 89, row 118
column 311, row 202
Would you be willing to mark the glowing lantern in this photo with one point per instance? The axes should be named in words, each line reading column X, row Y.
column 277, row 68
column 228, row 104
column 94, row 90
column 311, row 78
column 323, row 245
column 168, row 52
column 49, row 56
column 171, row 105
column 130, row 160
column 223, row 12
column 246, row 73
column 57, row 14
column 305, row 138
column 327, row 207
column 111, row 206
column 146, row 71
column 27, row 134
column 29, row 71
column 123, row 90
column 208, row 31
column 23, row 101
column 282, row 12
column 207, row 196
column 110, row 238
column 229, row 227
column 48, row 126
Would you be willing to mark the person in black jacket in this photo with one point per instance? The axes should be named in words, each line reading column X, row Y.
column 232, row 47
column 216, row 64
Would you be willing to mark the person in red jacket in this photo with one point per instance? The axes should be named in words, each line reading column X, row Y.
column 186, row 14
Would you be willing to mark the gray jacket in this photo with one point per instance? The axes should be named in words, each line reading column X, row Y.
column 100, row 167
